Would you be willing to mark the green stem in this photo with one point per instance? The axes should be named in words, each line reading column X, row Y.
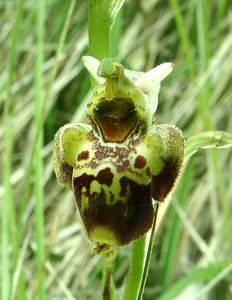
column 149, row 253
column 139, row 264
column 108, row 291
column 101, row 18
column 99, row 28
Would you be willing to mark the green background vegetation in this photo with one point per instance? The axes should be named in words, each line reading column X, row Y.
column 44, row 85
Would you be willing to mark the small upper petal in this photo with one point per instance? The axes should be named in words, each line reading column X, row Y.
column 154, row 76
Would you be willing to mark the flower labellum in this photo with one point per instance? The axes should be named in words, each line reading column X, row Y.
column 121, row 160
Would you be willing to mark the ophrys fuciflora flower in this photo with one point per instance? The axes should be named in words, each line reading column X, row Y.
column 120, row 161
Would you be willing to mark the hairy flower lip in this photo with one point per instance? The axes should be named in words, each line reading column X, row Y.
column 114, row 184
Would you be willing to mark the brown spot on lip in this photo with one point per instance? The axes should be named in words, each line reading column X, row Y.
column 140, row 162
column 83, row 155
column 105, row 177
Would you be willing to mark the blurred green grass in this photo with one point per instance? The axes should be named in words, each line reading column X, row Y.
column 44, row 85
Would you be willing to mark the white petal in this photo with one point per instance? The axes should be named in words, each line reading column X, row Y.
column 133, row 75
column 154, row 76
column 92, row 64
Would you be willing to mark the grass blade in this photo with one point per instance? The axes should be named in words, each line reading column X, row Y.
column 8, row 218
column 38, row 161
column 197, row 275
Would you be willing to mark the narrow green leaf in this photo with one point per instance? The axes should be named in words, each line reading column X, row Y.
column 207, row 140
